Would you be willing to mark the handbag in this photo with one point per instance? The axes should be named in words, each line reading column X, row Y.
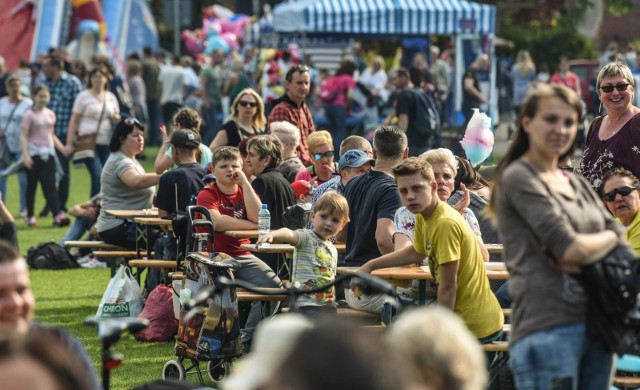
column 5, row 153
column 122, row 298
column 85, row 145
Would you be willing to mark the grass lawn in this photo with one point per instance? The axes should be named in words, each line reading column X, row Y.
column 65, row 298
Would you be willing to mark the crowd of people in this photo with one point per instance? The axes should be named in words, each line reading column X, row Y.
column 398, row 200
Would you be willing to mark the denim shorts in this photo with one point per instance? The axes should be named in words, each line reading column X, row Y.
column 560, row 358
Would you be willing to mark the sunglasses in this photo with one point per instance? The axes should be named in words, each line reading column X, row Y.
column 318, row 156
column 133, row 122
column 619, row 87
column 247, row 104
column 624, row 191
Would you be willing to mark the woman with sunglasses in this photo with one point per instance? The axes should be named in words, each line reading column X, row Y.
column 551, row 223
column 125, row 184
column 322, row 153
column 247, row 120
column 621, row 196
column 613, row 139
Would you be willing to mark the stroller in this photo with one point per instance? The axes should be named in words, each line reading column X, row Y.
column 207, row 334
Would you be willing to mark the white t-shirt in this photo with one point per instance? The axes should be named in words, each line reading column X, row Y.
column 173, row 78
column 88, row 108
column 11, row 129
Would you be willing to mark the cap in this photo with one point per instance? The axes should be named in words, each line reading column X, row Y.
column 302, row 187
column 354, row 158
column 208, row 173
column 185, row 138
column 274, row 340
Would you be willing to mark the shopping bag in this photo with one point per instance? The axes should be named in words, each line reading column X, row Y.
column 122, row 297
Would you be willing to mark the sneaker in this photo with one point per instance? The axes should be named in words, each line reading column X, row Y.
column 60, row 219
column 44, row 212
column 22, row 214
column 31, row 222
column 93, row 263
column 84, row 259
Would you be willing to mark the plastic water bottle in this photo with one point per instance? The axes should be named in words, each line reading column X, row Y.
column 264, row 221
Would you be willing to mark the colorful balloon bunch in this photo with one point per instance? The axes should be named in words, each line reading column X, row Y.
column 221, row 30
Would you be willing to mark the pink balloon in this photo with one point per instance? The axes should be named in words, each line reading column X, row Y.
column 210, row 24
column 227, row 26
column 194, row 46
column 231, row 40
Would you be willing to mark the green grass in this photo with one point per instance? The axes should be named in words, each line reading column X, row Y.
column 65, row 298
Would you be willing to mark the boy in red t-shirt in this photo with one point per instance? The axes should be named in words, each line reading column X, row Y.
column 234, row 205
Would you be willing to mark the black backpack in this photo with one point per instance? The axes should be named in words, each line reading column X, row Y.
column 296, row 217
column 427, row 120
column 50, row 255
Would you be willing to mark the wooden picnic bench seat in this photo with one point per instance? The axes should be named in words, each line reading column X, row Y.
column 626, row 382
column 159, row 264
column 91, row 244
column 496, row 346
column 119, row 253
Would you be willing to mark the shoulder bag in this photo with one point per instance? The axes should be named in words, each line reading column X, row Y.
column 85, row 145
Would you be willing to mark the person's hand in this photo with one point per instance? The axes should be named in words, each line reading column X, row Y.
column 267, row 238
column 355, row 286
column 115, row 118
column 163, row 133
column 90, row 213
column 239, row 178
column 464, row 201
column 28, row 162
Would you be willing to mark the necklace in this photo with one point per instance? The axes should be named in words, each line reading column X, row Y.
column 618, row 122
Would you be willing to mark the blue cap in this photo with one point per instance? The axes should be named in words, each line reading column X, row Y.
column 354, row 158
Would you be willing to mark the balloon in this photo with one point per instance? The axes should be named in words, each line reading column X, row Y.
column 231, row 40
column 211, row 24
column 227, row 26
column 192, row 43
column 215, row 42
column 478, row 138
column 221, row 12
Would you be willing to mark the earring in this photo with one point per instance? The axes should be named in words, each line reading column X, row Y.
column 600, row 108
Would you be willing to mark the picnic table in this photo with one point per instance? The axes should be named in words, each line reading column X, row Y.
column 131, row 214
column 283, row 248
column 495, row 271
column 241, row 233
column 143, row 224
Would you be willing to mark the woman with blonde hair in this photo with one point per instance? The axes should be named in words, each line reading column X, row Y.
column 322, row 153
column 247, row 120
column 524, row 73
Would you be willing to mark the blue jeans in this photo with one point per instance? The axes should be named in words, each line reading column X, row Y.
column 77, row 229
column 102, row 153
column 211, row 122
column 337, row 117
column 560, row 358
column 95, row 169
column 63, row 185
column 22, row 180
column 153, row 110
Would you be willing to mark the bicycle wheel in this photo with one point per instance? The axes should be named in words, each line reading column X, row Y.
column 173, row 369
column 218, row 369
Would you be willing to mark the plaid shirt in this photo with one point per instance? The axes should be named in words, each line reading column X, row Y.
column 63, row 95
column 284, row 109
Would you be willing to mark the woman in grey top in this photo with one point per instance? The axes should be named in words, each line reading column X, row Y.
column 551, row 222
column 125, row 185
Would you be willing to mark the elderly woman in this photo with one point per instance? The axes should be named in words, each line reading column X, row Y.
column 613, row 139
column 620, row 194
column 551, row 223
column 125, row 185
column 94, row 112
column 323, row 167
column 247, row 119
column 289, row 136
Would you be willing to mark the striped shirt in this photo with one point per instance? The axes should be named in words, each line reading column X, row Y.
column 314, row 264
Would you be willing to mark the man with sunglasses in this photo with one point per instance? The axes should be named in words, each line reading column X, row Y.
column 613, row 139
column 621, row 196
column 291, row 107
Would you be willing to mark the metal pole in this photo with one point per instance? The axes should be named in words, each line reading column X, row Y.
column 176, row 27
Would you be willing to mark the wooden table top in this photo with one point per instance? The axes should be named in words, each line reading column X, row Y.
column 495, row 271
column 152, row 221
column 241, row 233
column 494, row 248
column 130, row 214
column 283, row 248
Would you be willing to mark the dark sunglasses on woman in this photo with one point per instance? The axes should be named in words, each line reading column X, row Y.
column 247, row 104
column 133, row 122
column 619, row 87
column 318, row 156
column 624, row 191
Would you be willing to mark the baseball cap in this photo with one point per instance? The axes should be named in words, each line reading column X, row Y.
column 302, row 187
column 185, row 138
column 208, row 174
column 354, row 158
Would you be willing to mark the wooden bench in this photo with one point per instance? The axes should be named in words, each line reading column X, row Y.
column 91, row 245
column 358, row 315
column 626, row 382
column 158, row 264
column 506, row 312
column 496, row 346
column 127, row 254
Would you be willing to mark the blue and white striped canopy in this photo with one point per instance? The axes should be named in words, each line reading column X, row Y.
column 385, row 17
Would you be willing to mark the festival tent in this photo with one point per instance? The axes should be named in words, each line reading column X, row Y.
column 395, row 18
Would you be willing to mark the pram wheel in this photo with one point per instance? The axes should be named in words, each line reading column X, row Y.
column 217, row 370
column 173, row 369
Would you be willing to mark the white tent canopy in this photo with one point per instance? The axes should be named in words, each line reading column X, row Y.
column 387, row 17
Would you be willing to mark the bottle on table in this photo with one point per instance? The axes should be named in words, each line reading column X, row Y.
column 264, row 221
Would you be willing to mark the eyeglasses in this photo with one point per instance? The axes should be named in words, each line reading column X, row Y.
column 328, row 154
column 133, row 122
column 624, row 191
column 619, row 87
column 300, row 68
column 247, row 104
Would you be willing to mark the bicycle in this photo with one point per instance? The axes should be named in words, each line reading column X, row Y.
column 109, row 332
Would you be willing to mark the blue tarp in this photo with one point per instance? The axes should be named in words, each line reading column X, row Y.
column 130, row 26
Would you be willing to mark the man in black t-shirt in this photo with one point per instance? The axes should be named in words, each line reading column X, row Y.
column 406, row 107
column 472, row 96
column 373, row 200
column 185, row 181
